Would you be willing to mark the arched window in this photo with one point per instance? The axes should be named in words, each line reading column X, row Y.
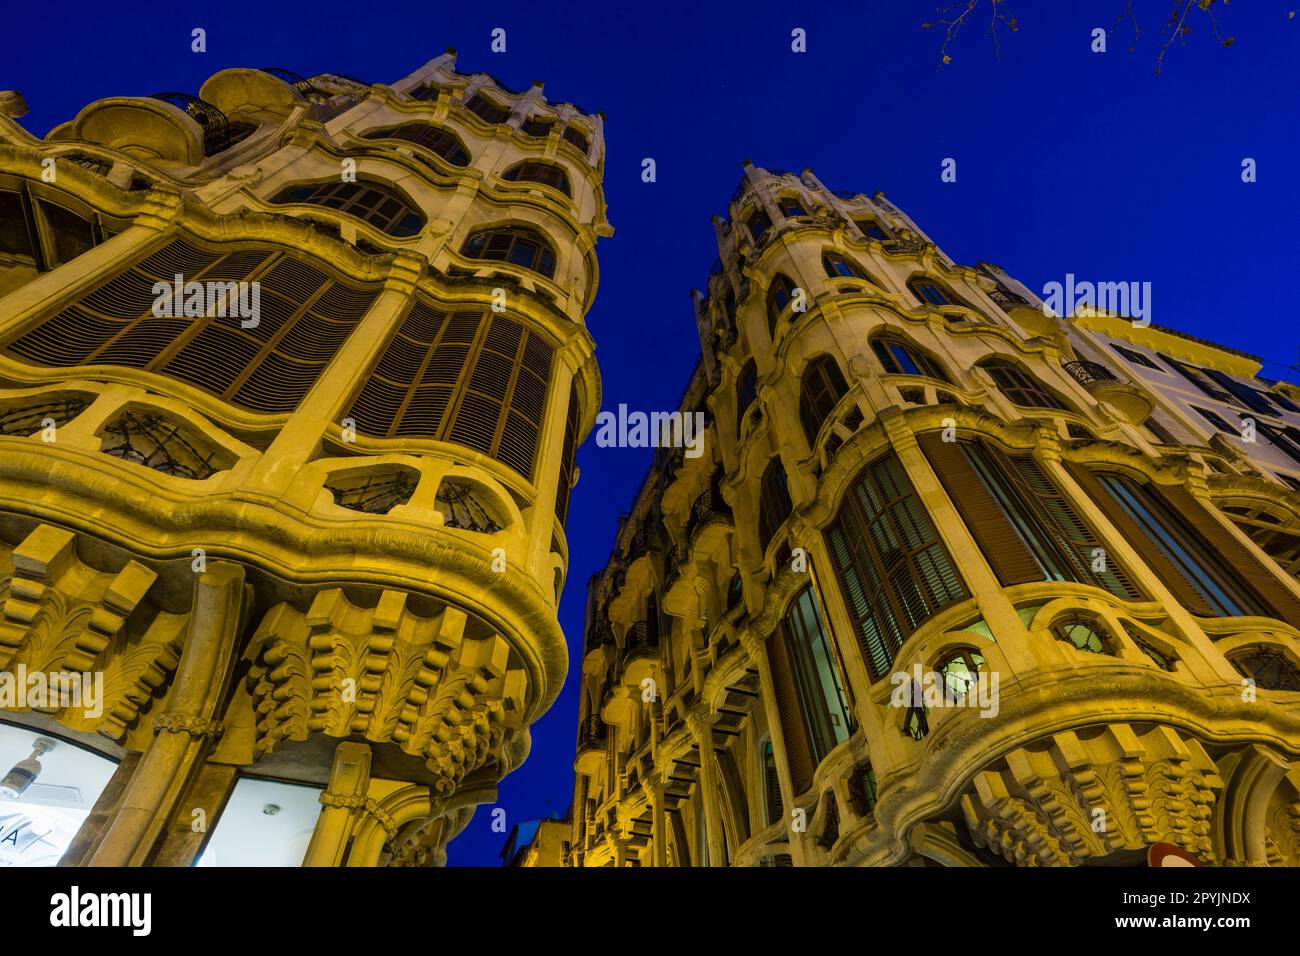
column 1084, row 633
column 774, row 505
column 535, row 171
column 790, row 207
column 746, row 391
column 758, row 223
column 931, row 292
column 538, row 127
column 435, row 139
column 820, row 391
column 778, row 297
column 871, row 229
column 486, row 110
column 1019, row 386
column 1268, row 667
column 837, row 267
column 577, row 138
column 958, row 670
column 893, row 569
column 381, row 206
column 518, row 245
column 902, row 358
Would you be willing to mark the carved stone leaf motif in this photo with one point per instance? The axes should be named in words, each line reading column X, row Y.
column 1081, row 800
column 414, row 681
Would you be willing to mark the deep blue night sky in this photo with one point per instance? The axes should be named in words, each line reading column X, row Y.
column 1068, row 161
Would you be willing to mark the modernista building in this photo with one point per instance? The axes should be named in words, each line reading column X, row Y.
column 955, row 583
column 292, row 373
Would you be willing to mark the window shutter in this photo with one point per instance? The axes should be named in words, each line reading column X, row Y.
column 1274, row 594
column 775, row 806
column 1071, row 532
column 1243, row 392
column 797, row 751
column 1002, row 546
column 1181, row 587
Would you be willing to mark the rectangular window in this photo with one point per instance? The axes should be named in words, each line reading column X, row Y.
column 893, row 570
column 1214, row 419
column 1182, row 548
column 1137, row 358
column 817, row 676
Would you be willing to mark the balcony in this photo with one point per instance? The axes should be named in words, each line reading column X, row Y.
column 709, row 505
column 1089, row 374
column 1132, row 402
column 591, row 746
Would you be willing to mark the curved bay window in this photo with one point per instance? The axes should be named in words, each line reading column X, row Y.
column 893, row 570
column 902, row 358
column 1207, row 569
column 809, row 688
column 746, row 391
column 779, row 295
column 1268, row 667
column 534, row 171
column 1027, row 529
column 478, row 380
column 435, row 139
column 1019, row 386
column 820, row 391
column 381, row 206
column 774, row 504
column 305, row 315
column 518, row 245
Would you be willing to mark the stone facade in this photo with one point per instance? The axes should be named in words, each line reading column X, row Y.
column 912, row 470
column 324, row 542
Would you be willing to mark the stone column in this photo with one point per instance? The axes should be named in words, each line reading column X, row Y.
column 182, row 731
column 345, row 792
column 702, row 730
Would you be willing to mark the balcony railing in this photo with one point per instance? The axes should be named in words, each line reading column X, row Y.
column 216, row 127
column 709, row 504
column 1089, row 374
column 591, row 733
column 296, row 80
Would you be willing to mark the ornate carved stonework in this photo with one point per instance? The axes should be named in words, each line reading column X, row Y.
column 1080, row 796
column 389, row 675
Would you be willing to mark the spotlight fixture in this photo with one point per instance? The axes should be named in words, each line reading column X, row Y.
column 24, row 773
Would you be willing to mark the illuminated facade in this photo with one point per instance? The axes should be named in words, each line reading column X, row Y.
column 954, row 583
column 306, row 517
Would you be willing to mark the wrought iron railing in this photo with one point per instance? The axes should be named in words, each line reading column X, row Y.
column 591, row 732
column 1089, row 374
column 297, row 81
column 216, row 127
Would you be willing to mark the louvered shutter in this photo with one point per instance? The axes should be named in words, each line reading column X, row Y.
column 1243, row 392
column 1274, row 594
column 772, row 783
column 1002, row 546
column 1173, row 579
column 797, row 750
column 1066, row 526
